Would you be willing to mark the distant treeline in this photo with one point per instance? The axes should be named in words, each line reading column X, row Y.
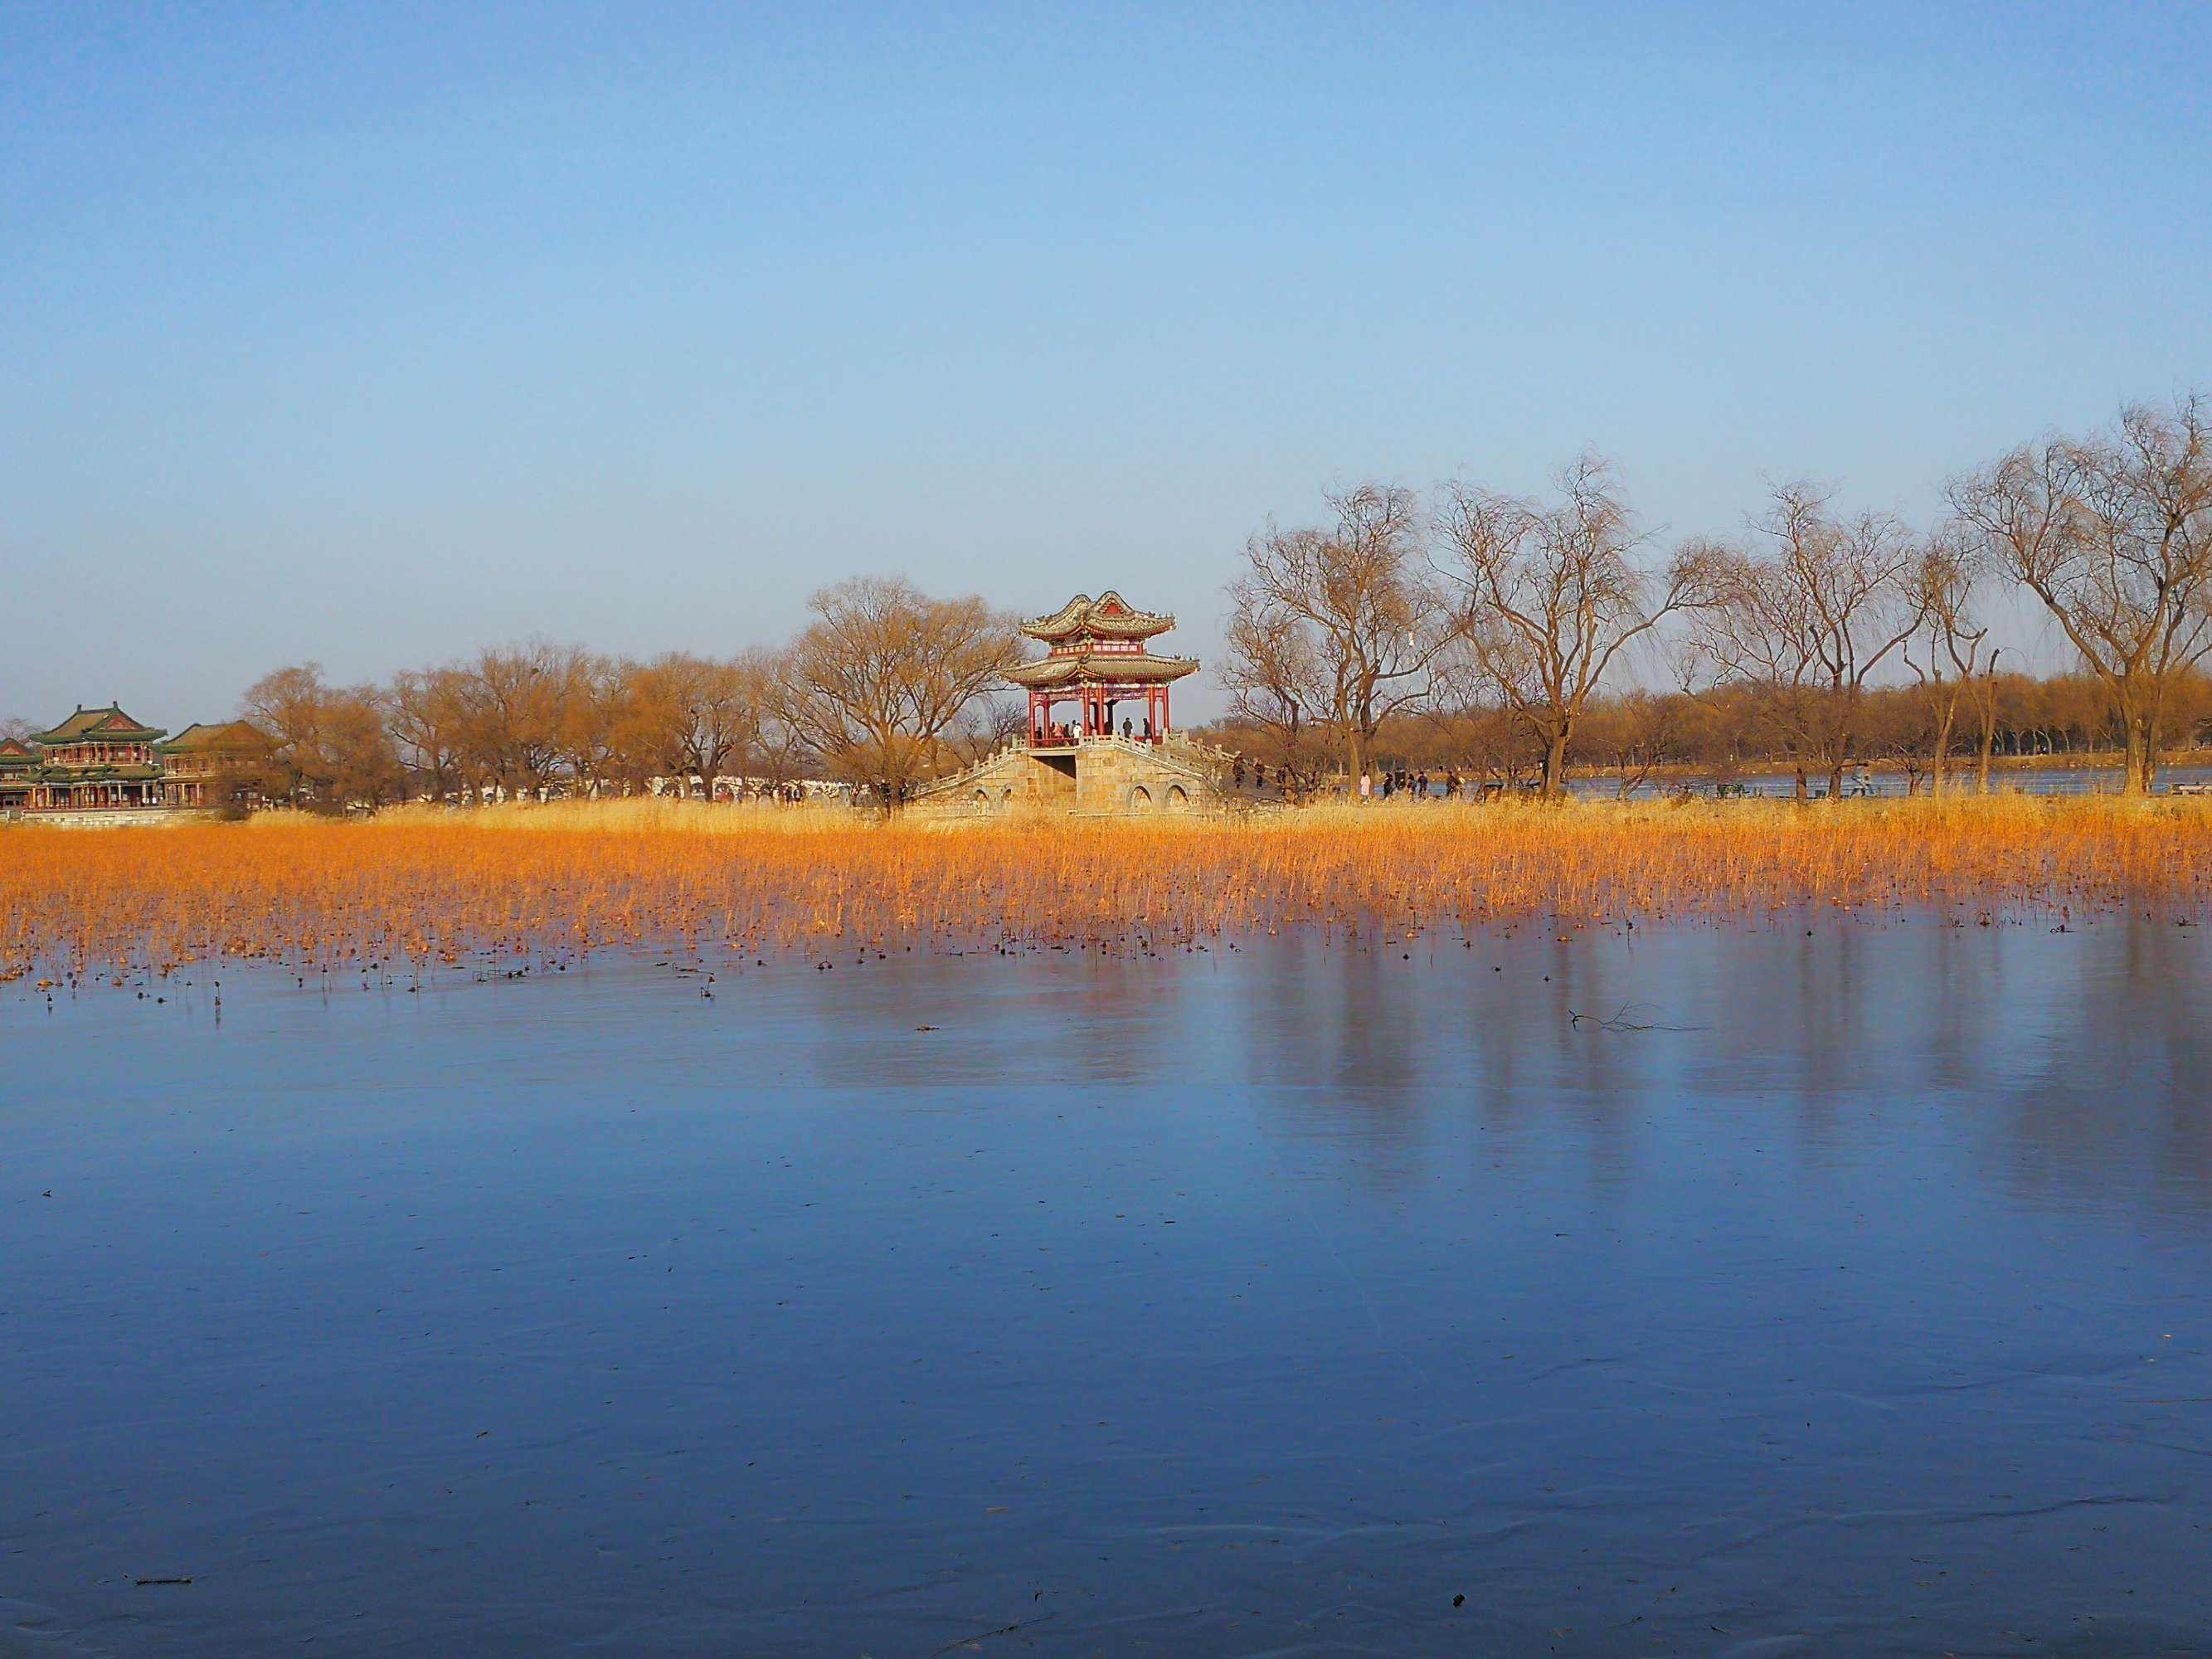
column 886, row 687
column 1728, row 731
column 1500, row 631
column 538, row 719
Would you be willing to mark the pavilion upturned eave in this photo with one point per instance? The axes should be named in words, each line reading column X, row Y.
column 1131, row 668
column 1109, row 616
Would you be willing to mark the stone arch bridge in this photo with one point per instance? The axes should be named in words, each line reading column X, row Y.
column 1094, row 777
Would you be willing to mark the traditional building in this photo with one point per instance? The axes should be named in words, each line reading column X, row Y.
column 98, row 759
column 1096, row 657
column 101, row 763
column 18, row 760
column 197, row 763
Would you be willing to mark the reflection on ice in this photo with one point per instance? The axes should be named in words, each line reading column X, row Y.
column 1305, row 1297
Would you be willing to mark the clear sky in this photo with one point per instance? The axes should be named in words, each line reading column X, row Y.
column 371, row 334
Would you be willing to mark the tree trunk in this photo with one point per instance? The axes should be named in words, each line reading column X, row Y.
column 1555, row 766
column 2142, row 754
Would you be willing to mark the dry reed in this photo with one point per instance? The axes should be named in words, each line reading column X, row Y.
column 422, row 887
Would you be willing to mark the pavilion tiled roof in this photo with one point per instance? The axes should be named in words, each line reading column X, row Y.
column 1101, row 668
column 97, row 725
column 1109, row 616
column 223, row 736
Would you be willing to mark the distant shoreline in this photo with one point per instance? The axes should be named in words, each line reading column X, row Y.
column 2103, row 761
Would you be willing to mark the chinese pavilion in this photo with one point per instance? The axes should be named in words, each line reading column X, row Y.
column 1096, row 657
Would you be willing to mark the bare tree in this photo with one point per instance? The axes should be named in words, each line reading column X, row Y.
column 780, row 749
column 1637, row 732
column 1558, row 595
column 985, row 726
column 515, row 696
column 288, row 704
column 327, row 746
column 1355, row 605
column 1807, row 623
column 705, row 712
column 1279, row 687
column 2113, row 533
column 1944, row 582
column 428, row 713
column 875, row 684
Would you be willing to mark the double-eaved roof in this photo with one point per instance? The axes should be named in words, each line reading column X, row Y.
column 1098, row 641
column 108, row 725
column 1109, row 616
column 1100, row 668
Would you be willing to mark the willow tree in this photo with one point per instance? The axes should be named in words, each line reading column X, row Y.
column 1345, row 620
column 1944, row 581
column 2113, row 533
column 515, row 700
column 700, row 716
column 1806, row 619
column 884, row 672
column 1559, row 592
column 1278, row 686
column 323, row 745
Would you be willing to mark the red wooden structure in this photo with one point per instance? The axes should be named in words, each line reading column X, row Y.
column 1096, row 657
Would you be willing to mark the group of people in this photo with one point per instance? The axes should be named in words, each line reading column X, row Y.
column 1060, row 732
column 755, row 789
column 1404, row 780
column 1397, row 781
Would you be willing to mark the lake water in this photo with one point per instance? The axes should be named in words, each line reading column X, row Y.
column 1839, row 1292
column 1893, row 786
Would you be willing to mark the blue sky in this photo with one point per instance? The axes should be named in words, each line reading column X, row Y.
column 373, row 334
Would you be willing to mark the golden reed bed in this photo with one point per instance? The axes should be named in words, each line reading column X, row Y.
column 424, row 886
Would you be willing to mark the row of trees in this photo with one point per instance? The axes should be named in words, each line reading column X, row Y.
column 1481, row 629
column 1728, row 733
column 885, row 687
column 1487, row 611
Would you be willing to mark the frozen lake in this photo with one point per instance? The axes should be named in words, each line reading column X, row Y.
column 1839, row 1292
